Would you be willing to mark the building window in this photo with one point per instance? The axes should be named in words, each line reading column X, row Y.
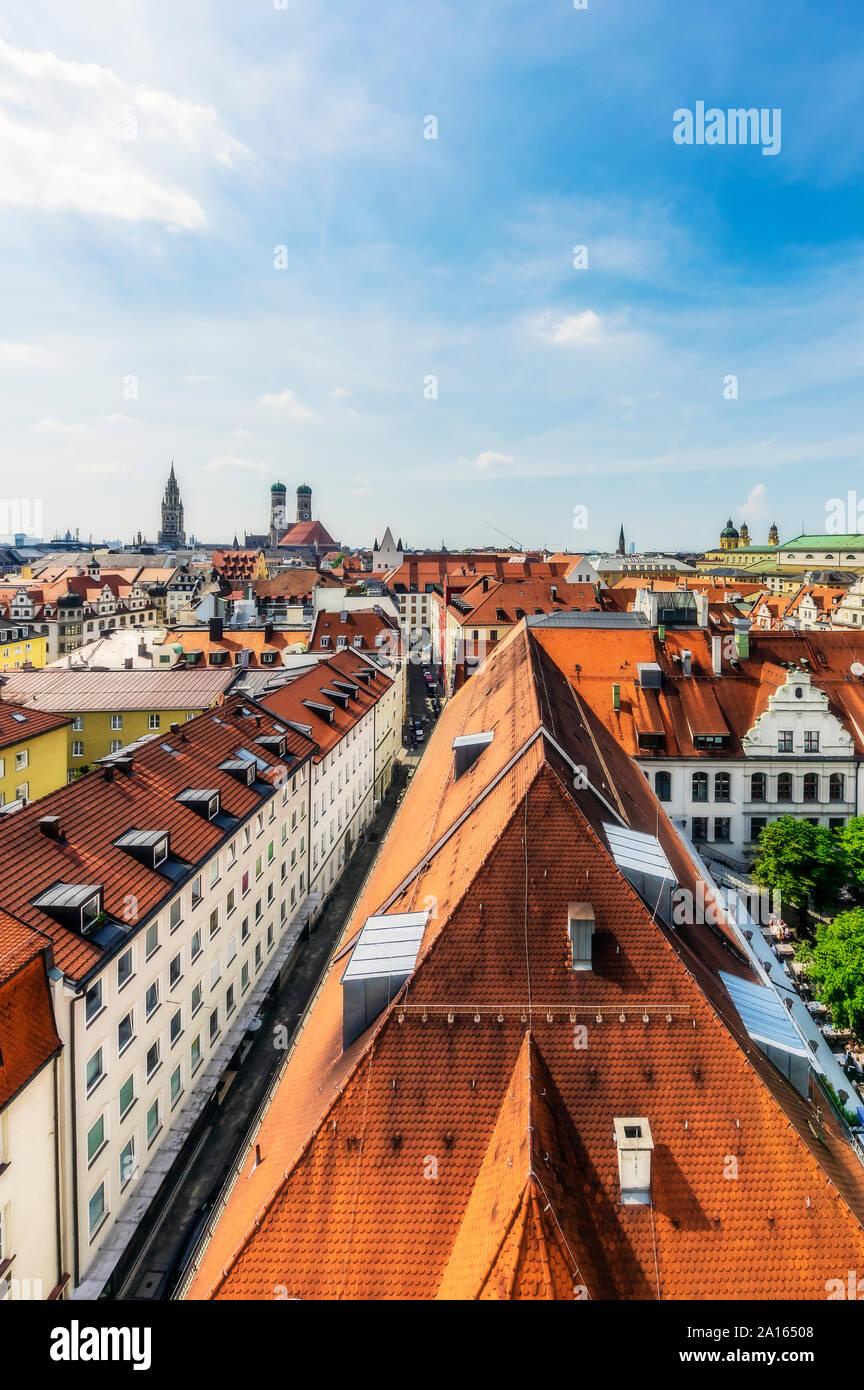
column 93, row 1002
column 153, row 1121
column 127, row 1096
column 176, row 1027
column 151, row 999
column 244, row 977
column 78, row 723
column 174, row 914
column 153, row 1059
column 176, row 1084
column 153, row 721
column 663, row 786
column 784, row 741
column 700, row 786
column 214, row 1025
column 835, row 787
column 195, row 1054
column 175, row 971
column 722, row 828
column 151, row 940
column 116, row 721
column 811, row 741
column 128, row 1166
column 784, row 786
column 95, row 1139
column 811, row 786
column 95, row 1070
column 96, row 1209
column 836, row 822
column 22, row 760
column 197, row 993
column 722, row 787
column 125, row 1031
column 197, row 893
column 758, row 787
column 700, row 828
column 124, row 968
column 77, row 748
column 230, row 1005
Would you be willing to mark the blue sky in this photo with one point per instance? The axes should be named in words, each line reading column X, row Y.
column 153, row 156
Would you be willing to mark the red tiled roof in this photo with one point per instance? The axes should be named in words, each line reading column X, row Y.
column 289, row 702
column 19, row 722
column 462, row 1146
column 358, row 626
column 487, row 602
column 94, row 812
column 28, row 1036
column 234, row 641
column 310, row 533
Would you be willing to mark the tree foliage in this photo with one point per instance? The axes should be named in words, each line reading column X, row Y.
column 837, row 966
column 804, row 862
column 851, row 838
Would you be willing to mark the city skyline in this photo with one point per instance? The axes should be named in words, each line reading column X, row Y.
column 251, row 259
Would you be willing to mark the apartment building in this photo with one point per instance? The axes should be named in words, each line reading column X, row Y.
column 732, row 729
column 172, row 884
column 22, row 645
column 351, row 707
column 33, row 747
column 30, row 1216
column 105, row 711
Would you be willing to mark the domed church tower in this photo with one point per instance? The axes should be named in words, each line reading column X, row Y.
column 744, row 536
column 729, row 537
column 278, row 512
column 774, row 534
column 304, row 502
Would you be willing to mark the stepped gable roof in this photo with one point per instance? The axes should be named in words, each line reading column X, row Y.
column 414, row 1163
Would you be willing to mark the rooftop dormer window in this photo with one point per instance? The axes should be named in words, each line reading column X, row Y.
column 205, row 802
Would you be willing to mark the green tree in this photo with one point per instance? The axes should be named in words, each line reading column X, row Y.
column 803, row 862
column 851, row 838
column 837, row 966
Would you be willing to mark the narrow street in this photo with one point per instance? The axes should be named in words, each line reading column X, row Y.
column 168, row 1234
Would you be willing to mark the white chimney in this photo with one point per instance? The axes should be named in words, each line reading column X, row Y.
column 687, row 663
column 633, row 1138
column 717, row 654
column 580, row 929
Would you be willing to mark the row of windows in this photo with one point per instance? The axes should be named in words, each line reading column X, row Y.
column 701, row 784
column 722, row 826
column 97, row 1135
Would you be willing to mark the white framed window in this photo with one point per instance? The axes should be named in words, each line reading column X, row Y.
column 22, row 760
column 97, row 1209
column 153, row 721
column 77, row 748
column 116, row 721
column 78, row 723
column 95, row 1069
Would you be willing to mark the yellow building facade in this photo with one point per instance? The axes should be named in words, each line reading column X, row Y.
column 31, row 764
column 18, row 646
column 97, row 733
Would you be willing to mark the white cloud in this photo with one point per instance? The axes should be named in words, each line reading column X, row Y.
column 489, row 458
column 117, row 418
column 338, row 392
column 242, row 434
column 756, row 505
column 198, row 376
column 75, row 137
column 289, row 403
column 574, row 330
column 237, row 465
column 74, row 431
column 21, row 354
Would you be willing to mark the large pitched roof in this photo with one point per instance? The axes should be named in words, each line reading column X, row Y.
column 308, row 533
column 462, row 1146
column 311, row 700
